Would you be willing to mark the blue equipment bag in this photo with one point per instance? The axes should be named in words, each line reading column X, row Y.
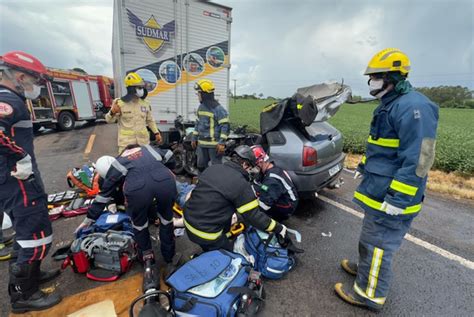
column 118, row 221
column 210, row 284
column 271, row 259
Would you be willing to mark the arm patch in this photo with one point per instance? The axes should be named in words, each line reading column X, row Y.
column 5, row 110
column 427, row 157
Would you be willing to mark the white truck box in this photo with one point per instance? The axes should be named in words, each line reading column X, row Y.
column 172, row 44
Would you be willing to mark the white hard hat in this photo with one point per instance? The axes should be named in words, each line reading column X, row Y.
column 103, row 164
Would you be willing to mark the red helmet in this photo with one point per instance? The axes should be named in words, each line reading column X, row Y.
column 260, row 154
column 24, row 62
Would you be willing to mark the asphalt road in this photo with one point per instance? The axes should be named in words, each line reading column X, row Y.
column 433, row 277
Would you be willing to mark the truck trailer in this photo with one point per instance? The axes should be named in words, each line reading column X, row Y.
column 172, row 44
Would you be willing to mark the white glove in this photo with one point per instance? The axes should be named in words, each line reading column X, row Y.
column 357, row 175
column 295, row 233
column 391, row 209
column 283, row 231
column 84, row 224
column 23, row 168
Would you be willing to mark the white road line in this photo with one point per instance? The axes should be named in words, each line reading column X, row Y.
column 422, row 243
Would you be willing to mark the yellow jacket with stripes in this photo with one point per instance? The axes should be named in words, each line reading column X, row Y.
column 133, row 120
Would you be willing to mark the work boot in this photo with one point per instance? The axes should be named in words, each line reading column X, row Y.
column 350, row 297
column 349, row 267
column 38, row 301
column 46, row 276
column 172, row 265
column 5, row 252
column 8, row 237
column 24, row 291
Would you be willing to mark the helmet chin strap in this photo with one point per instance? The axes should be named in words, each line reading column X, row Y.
column 381, row 93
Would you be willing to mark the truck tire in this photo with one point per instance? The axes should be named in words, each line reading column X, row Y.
column 66, row 121
column 179, row 156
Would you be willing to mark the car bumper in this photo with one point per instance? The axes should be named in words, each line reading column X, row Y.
column 317, row 179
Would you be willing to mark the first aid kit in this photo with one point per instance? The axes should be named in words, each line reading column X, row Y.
column 216, row 283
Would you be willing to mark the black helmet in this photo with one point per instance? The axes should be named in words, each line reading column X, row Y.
column 245, row 153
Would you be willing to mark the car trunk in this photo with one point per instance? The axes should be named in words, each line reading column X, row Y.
column 326, row 140
column 291, row 140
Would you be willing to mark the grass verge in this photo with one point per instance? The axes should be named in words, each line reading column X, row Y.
column 452, row 184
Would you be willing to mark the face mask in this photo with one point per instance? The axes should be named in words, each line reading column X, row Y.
column 376, row 88
column 375, row 85
column 253, row 173
column 140, row 92
column 33, row 94
column 30, row 94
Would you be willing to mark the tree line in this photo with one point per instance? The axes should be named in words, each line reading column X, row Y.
column 444, row 96
column 449, row 96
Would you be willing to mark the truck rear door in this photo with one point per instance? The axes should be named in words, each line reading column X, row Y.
column 171, row 45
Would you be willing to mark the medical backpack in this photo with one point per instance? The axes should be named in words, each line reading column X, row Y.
column 103, row 256
column 271, row 259
column 105, row 250
column 216, row 284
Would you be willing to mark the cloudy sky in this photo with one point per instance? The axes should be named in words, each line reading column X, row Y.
column 277, row 45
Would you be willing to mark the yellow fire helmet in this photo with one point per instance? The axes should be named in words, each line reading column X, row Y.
column 133, row 79
column 205, row 85
column 389, row 60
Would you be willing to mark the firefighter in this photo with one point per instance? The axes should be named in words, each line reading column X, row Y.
column 222, row 190
column 212, row 126
column 400, row 152
column 22, row 193
column 141, row 172
column 133, row 114
column 277, row 195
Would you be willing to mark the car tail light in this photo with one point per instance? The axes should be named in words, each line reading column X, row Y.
column 310, row 156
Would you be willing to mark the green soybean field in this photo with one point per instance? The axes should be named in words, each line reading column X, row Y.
column 454, row 147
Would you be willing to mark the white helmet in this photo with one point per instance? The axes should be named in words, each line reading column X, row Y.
column 103, row 164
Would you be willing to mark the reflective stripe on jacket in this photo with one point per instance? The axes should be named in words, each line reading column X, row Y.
column 135, row 168
column 133, row 121
column 212, row 126
column 223, row 190
column 277, row 188
column 399, row 153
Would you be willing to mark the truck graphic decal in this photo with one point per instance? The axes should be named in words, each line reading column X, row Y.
column 182, row 73
column 151, row 32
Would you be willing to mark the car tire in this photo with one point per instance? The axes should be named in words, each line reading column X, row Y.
column 66, row 121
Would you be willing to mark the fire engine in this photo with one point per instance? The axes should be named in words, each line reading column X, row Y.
column 71, row 96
